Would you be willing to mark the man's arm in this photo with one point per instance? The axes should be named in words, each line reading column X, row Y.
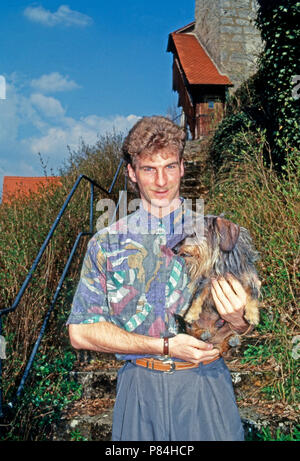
column 107, row 337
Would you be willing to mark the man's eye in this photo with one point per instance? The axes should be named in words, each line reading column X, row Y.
column 147, row 169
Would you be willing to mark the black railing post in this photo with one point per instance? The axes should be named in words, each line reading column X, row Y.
column 91, row 208
column 43, row 328
column 116, row 175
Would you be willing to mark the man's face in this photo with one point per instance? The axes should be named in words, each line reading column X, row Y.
column 158, row 178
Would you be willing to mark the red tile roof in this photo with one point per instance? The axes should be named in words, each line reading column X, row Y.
column 197, row 65
column 16, row 186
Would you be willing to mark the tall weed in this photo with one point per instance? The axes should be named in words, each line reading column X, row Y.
column 24, row 225
column 267, row 204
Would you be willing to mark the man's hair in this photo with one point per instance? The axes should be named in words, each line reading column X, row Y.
column 149, row 135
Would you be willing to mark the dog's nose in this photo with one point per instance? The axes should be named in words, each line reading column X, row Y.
column 205, row 335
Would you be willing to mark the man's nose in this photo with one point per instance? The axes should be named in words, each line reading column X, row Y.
column 161, row 178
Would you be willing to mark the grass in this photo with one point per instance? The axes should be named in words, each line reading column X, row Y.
column 266, row 435
column 267, row 204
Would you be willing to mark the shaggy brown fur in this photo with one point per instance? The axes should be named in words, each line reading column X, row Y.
column 224, row 249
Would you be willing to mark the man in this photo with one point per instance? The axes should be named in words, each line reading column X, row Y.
column 172, row 386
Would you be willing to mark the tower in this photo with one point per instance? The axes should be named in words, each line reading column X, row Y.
column 226, row 29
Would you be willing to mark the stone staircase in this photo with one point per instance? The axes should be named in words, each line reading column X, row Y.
column 90, row 418
column 194, row 183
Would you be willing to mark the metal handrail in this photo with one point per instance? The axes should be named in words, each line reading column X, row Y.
column 60, row 283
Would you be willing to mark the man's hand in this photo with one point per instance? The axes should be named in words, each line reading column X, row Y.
column 190, row 349
column 230, row 300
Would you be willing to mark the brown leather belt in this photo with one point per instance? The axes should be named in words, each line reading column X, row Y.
column 168, row 366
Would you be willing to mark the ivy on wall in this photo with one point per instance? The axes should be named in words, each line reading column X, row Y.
column 270, row 99
column 279, row 66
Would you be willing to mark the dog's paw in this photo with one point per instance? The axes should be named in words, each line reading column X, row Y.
column 252, row 312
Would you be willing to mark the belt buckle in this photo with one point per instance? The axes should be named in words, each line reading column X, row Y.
column 172, row 365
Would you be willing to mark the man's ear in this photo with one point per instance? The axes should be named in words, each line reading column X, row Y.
column 131, row 173
column 181, row 168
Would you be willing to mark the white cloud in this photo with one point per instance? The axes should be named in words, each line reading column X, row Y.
column 50, row 107
column 39, row 124
column 55, row 140
column 17, row 113
column 64, row 16
column 54, row 82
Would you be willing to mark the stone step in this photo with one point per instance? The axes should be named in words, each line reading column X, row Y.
column 90, row 418
column 96, row 384
column 196, row 164
column 85, row 427
column 98, row 427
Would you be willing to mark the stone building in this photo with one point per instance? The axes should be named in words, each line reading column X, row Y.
column 211, row 57
column 226, row 29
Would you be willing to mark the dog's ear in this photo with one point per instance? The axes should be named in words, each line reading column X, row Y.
column 229, row 233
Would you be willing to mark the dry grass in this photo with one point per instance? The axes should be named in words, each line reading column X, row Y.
column 267, row 204
column 24, row 224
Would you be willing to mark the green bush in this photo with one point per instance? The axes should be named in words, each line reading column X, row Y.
column 48, row 392
column 227, row 144
column 279, row 24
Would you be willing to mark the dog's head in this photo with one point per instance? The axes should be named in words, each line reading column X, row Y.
column 202, row 247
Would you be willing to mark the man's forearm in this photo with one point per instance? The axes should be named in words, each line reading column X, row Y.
column 107, row 337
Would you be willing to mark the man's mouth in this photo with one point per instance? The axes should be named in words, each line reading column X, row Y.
column 160, row 192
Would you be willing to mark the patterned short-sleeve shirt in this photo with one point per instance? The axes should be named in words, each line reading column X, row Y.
column 132, row 278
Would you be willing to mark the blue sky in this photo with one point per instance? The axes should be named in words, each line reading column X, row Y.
column 78, row 69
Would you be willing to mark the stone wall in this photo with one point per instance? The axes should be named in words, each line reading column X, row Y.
column 226, row 29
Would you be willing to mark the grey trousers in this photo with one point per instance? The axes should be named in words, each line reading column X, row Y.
column 187, row 405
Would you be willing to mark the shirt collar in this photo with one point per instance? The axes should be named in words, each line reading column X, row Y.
column 172, row 225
